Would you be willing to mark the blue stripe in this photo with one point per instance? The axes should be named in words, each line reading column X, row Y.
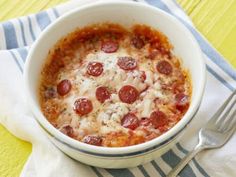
column 96, row 171
column 23, row 53
column 181, row 149
column 54, row 10
column 223, row 81
column 16, row 61
column 22, row 31
column 10, row 35
column 43, row 19
column 120, row 172
column 159, row 4
column 204, row 45
column 172, row 160
column 158, row 169
column 144, row 172
column 31, row 29
column 200, row 169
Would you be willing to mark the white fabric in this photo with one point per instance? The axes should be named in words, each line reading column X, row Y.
column 47, row 161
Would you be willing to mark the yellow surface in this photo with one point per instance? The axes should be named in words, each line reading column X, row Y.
column 13, row 154
column 14, row 8
column 215, row 19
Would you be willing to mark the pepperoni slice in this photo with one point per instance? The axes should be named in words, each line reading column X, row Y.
column 95, row 68
column 102, row 94
column 93, row 140
column 109, row 46
column 164, row 67
column 144, row 121
column 127, row 63
column 128, row 94
column 182, row 102
column 64, row 87
column 158, row 119
column 83, row 106
column 67, row 130
column 137, row 42
column 130, row 121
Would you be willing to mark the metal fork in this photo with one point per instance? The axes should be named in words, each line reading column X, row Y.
column 214, row 134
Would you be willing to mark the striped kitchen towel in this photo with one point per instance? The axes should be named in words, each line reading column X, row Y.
column 16, row 37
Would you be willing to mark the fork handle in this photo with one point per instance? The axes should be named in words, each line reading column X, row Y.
column 175, row 171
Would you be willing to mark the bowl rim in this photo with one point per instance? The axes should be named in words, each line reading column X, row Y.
column 114, row 150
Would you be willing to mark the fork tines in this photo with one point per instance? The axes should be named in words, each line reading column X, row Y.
column 224, row 118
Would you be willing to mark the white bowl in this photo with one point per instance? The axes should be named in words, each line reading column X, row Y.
column 126, row 14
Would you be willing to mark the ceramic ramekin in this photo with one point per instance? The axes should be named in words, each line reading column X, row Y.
column 126, row 14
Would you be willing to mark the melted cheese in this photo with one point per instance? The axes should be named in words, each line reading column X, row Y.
column 109, row 114
column 106, row 118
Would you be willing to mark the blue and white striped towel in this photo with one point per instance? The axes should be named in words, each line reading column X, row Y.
column 17, row 35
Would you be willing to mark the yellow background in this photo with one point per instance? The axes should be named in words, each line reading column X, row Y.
column 214, row 18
